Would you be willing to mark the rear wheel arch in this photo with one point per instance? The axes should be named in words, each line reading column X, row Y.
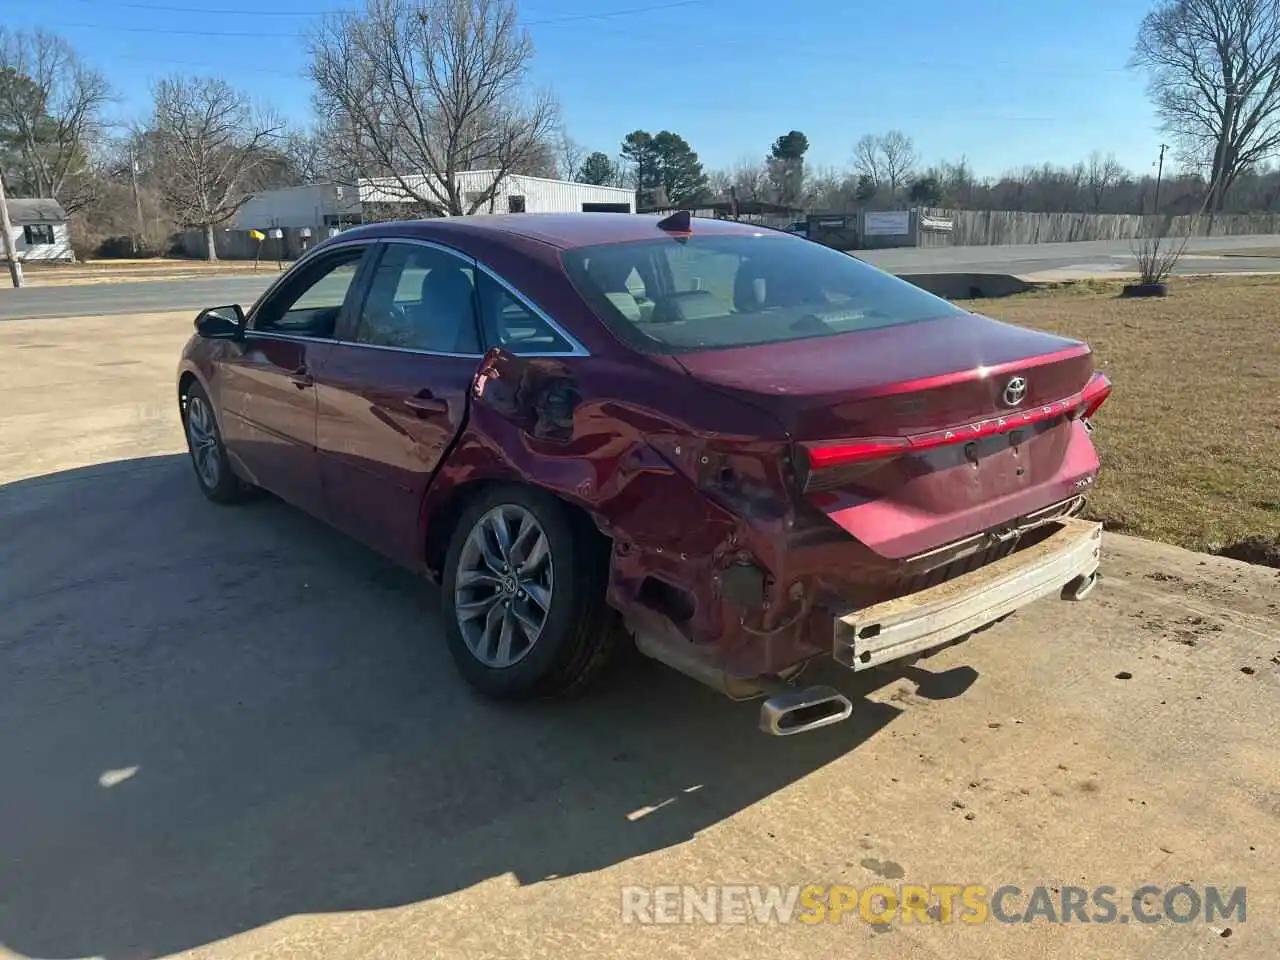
column 445, row 516
column 577, row 634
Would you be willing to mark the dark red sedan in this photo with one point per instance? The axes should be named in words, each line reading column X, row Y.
column 745, row 448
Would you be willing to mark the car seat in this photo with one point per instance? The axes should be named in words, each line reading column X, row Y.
column 610, row 277
column 444, row 318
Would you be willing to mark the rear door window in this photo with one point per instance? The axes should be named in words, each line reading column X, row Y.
column 421, row 298
column 511, row 323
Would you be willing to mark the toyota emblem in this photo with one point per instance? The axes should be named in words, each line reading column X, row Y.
column 1015, row 391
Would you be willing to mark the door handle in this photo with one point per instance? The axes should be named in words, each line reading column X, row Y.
column 301, row 379
column 424, row 402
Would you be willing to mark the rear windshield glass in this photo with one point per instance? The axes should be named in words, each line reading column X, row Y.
column 673, row 295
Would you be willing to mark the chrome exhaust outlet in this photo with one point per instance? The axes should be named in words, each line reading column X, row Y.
column 790, row 710
column 1080, row 587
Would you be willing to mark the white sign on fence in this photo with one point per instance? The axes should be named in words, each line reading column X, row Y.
column 887, row 223
column 941, row 224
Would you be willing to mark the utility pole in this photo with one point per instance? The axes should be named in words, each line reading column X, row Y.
column 10, row 252
column 1159, row 173
column 137, row 201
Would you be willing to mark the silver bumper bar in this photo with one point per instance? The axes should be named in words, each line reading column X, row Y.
column 1065, row 562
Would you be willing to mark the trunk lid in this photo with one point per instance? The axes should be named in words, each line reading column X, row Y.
column 912, row 436
column 898, row 380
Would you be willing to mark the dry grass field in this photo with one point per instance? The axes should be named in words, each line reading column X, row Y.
column 1190, row 439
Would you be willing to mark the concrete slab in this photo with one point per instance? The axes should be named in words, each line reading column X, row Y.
column 234, row 733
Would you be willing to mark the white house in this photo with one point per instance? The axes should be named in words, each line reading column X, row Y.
column 334, row 205
column 40, row 231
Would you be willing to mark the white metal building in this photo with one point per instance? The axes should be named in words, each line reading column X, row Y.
column 330, row 204
column 315, row 205
column 40, row 231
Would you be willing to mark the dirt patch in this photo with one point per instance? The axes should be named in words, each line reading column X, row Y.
column 1261, row 550
column 1190, row 439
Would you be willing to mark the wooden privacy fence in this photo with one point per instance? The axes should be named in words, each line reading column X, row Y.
column 990, row 227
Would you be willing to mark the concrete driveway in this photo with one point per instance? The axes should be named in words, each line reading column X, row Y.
column 233, row 732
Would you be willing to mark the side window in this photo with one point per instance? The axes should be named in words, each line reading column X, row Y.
column 39, row 234
column 309, row 304
column 512, row 325
column 421, row 298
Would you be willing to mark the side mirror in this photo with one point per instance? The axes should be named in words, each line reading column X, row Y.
column 221, row 323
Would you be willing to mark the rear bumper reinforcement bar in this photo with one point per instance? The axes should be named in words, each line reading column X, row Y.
column 938, row 615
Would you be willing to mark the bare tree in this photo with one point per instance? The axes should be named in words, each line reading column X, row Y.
column 1213, row 72
column 207, row 143
column 900, row 158
column 1101, row 175
column 428, row 90
column 309, row 156
column 50, row 109
column 887, row 159
column 567, row 155
column 750, row 179
column 719, row 181
column 866, row 157
column 829, row 188
column 1155, row 252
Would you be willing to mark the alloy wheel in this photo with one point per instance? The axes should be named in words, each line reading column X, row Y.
column 202, row 431
column 502, row 592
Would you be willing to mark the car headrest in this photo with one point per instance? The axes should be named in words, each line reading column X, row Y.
column 609, row 274
column 447, row 289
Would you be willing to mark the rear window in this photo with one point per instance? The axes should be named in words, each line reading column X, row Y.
column 674, row 295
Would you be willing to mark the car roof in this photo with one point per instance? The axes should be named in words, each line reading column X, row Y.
column 561, row 230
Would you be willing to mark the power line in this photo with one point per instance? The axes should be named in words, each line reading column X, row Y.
column 180, row 33
column 169, row 31
column 239, row 12
column 615, row 13
column 207, row 65
column 242, row 12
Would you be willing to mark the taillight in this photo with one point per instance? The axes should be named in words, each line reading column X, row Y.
column 830, row 454
column 854, row 451
column 1093, row 396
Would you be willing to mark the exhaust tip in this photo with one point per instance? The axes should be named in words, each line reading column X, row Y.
column 799, row 711
column 1080, row 587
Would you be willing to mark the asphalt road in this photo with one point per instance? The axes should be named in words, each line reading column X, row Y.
column 235, row 732
column 125, row 297
column 1205, row 255
column 1031, row 260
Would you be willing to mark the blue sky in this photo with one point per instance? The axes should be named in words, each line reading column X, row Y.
column 1001, row 82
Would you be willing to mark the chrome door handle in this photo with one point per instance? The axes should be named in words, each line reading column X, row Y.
column 424, row 402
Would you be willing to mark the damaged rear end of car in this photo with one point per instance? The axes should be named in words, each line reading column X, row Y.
column 917, row 471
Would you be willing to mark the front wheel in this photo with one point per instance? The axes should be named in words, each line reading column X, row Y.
column 208, row 455
column 523, row 592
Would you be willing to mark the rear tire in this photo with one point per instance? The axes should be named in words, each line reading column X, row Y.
column 1145, row 290
column 523, row 596
column 208, row 455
